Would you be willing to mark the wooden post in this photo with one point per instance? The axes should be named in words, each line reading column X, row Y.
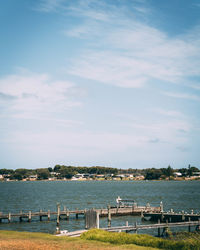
column 136, row 227
column 183, row 216
column 109, row 216
column 20, row 217
column 49, row 215
column 142, row 215
column 189, row 228
column 58, row 214
column 127, row 226
column 167, row 228
column 198, row 227
column 158, row 228
column 57, row 230
column 162, row 217
column 9, row 217
column 29, row 216
column 97, row 220
column 161, row 207
column 40, row 215
column 67, row 215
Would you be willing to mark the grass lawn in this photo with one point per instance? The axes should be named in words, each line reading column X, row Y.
column 33, row 241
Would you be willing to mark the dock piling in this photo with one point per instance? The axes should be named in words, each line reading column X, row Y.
column 183, row 216
column 161, row 207
column 48, row 215
column 29, row 216
column 158, row 228
column 109, row 216
column 136, row 227
column 9, row 217
column 58, row 214
column 76, row 213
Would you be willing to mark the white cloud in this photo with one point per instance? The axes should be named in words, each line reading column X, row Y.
column 169, row 113
column 124, row 50
column 36, row 95
column 182, row 96
column 49, row 5
column 135, row 53
column 171, row 131
column 79, row 143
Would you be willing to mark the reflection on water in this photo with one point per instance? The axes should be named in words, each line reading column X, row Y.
column 25, row 196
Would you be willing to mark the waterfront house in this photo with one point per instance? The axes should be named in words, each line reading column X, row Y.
column 32, row 177
column 177, row 174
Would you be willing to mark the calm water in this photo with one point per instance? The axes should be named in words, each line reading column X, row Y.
column 16, row 196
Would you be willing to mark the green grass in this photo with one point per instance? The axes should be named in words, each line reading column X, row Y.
column 186, row 242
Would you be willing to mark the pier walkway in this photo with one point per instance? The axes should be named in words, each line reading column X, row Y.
column 171, row 216
column 135, row 228
column 66, row 214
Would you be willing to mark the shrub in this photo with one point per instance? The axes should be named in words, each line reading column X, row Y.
column 140, row 239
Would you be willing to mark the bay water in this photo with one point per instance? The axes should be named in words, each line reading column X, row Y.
column 36, row 195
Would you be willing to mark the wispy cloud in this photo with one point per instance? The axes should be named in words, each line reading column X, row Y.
column 182, row 96
column 49, row 5
column 36, row 95
column 169, row 113
column 167, row 131
column 136, row 53
column 123, row 48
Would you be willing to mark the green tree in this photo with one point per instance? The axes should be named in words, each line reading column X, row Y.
column 153, row 174
column 17, row 176
column 191, row 170
column 6, row 171
column 169, row 171
column 43, row 173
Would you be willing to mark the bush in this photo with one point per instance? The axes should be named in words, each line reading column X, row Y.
column 140, row 239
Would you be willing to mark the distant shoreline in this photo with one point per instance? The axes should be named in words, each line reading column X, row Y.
column 84, row 180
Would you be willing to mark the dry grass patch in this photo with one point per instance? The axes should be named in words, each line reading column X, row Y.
column 37, row 241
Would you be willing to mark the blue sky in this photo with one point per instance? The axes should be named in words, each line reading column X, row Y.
column 99, row 82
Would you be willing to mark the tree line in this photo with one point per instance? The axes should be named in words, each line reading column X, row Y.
column 62, row 171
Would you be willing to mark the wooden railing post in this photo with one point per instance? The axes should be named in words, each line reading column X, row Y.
column 161, row 207
column 29, row 216
column 158, row 228
column 189, row 228
column 9, row 217
column 58, row 214
column 109, row 216
column 136, row 227
column 48, row 215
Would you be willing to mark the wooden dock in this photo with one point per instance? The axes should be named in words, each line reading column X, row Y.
column 146, row 212
column 171, row 216
column 165, row 226
column 28, row 216
column 135, row 228
column 66, row 214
